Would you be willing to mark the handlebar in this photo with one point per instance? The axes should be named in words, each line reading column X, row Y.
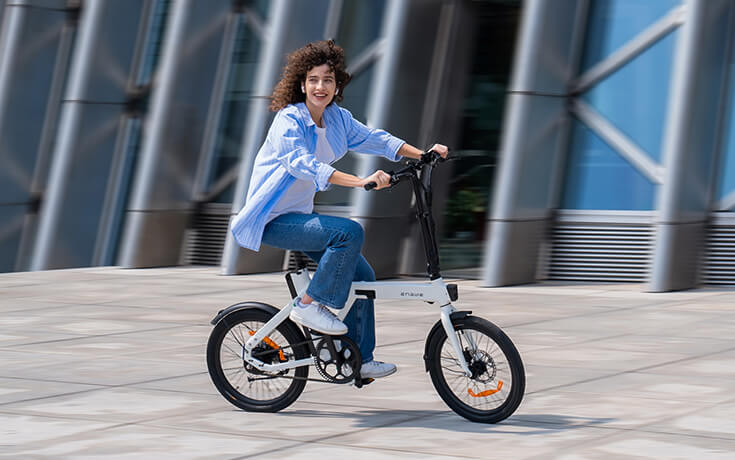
column 428, row 157
column 421, row 180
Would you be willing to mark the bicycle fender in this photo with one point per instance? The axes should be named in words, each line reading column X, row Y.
column 243, row 306
column 456, row 316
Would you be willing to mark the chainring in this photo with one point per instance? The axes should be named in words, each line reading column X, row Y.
column 338, row 360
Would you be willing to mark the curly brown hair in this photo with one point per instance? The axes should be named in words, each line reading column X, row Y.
column 300, row 62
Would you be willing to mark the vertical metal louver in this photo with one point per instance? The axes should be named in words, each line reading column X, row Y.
column 601, row 246
column 205, row 241
column 719, row 261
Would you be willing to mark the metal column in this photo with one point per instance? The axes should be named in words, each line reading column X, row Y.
column 441, row 120
column 402, row 95
column 375, row 213
column 533, row 140
column 35, row 38
column 163, row 189
column 88, row 137
column 690, row 143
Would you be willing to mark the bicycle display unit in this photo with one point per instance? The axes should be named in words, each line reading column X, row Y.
column 259, row 359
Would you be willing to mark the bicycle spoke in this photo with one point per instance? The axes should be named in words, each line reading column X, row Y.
column 233, row 352
column 250, row 382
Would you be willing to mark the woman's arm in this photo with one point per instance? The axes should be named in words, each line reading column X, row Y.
column 362, row 139
column 348, row 180
column 409, row 151
column 380, row 177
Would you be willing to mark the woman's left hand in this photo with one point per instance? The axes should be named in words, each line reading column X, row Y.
column 440, row 149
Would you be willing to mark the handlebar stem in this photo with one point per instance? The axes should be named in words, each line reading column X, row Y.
column 422, row 191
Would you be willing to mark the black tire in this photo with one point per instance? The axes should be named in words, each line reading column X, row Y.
column 496, row 365
column 244, row 386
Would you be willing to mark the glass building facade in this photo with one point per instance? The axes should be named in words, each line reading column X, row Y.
column 595, row 135
column 639, row 172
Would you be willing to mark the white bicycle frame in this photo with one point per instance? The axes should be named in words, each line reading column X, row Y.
column 434, row 291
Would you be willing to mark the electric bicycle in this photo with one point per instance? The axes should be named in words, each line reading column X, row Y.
column 259, row 359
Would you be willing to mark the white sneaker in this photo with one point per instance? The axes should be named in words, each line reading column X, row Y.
column 376, row 369
column 317, row 317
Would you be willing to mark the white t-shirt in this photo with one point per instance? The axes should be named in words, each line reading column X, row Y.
column 300, row 195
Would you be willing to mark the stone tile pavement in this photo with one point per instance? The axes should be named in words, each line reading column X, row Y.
column 107, row 362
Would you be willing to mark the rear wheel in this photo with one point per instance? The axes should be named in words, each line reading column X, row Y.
column 242, row 384
column 495, row 388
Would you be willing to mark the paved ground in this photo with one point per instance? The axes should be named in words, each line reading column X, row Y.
column 111, row 362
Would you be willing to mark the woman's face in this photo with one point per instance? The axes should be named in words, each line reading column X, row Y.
column 320, row 87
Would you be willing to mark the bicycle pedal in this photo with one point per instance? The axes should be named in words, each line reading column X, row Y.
column 359, row 383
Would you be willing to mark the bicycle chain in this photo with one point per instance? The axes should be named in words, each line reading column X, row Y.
column 327, row 378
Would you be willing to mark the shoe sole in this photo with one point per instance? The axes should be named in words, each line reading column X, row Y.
column 393, row 371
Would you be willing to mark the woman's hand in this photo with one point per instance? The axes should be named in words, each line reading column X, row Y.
column 409, row 151
column 442, row 150
column 380, row 177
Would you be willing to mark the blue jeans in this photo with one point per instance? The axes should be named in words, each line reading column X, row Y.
column 334, row 243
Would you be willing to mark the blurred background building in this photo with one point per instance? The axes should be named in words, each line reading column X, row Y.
column 595, row 136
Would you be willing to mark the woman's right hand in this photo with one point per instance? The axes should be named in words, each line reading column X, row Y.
column 380, row 177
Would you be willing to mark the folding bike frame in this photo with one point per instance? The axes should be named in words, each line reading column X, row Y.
column 434, row 291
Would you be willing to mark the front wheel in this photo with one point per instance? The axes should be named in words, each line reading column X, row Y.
column 495, row 389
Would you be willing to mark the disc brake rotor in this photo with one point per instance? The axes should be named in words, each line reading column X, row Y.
column 481, row 365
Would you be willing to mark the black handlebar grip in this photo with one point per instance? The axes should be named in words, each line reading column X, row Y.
column 370, row 185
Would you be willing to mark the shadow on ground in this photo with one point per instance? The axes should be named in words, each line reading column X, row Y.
column 445, row 420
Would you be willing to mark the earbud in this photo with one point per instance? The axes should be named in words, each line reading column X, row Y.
column 336, row 91
column 303, row 90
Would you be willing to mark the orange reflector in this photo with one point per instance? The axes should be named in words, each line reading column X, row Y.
column 486, row 392
column 273, row 345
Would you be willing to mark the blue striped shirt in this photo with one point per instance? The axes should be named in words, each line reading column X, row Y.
column 287, row 155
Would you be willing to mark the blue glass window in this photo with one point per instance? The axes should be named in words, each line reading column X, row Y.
column 599, row 178
column 727, row 181
column 612, row 23
column 154, row 43
column 727, row 163
column 634, row 98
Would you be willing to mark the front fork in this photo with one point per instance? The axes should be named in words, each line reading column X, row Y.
column 446, row 319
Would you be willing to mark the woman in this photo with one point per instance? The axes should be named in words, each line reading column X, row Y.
column 309, row 132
